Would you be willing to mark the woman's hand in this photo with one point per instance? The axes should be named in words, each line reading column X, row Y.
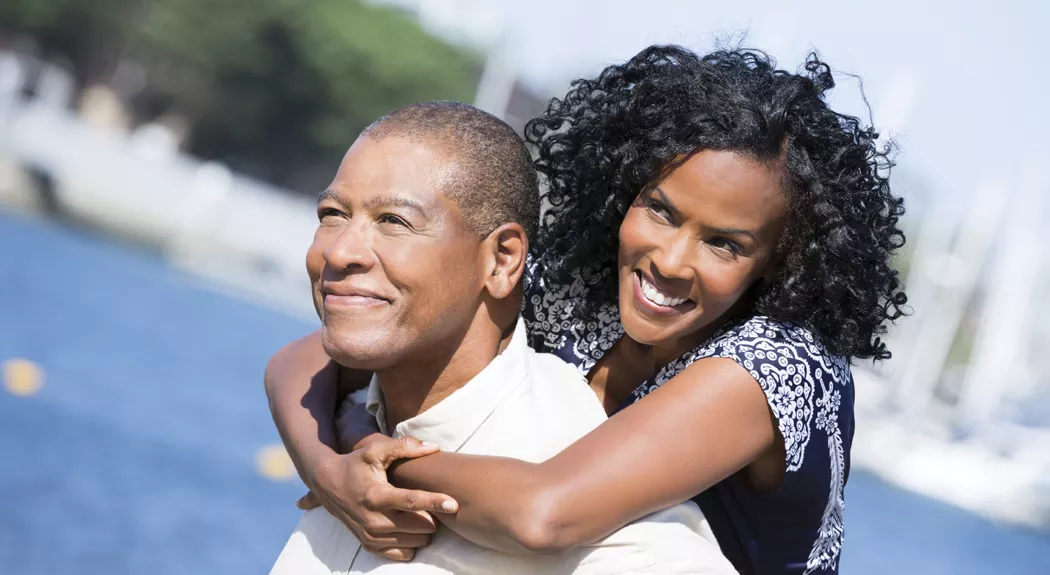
column 388, row 521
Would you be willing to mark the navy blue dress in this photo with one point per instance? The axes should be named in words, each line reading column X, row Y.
column 799, row 527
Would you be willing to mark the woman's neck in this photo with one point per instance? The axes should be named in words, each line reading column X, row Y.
column 667, row 351
column 619, row 371
column 629, row 364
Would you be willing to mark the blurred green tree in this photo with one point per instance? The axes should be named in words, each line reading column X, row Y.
column 274, row 88
column 90, row 35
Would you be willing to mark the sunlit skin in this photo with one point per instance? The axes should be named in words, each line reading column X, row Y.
column 706, row 233
column 403, row 286
column 377, row 298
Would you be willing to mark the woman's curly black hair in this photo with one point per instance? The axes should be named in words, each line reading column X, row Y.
column 611, row 137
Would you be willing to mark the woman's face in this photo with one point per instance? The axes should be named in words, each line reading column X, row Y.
column 692, row 245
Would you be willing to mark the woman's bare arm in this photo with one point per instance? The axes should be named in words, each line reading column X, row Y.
column 697, row 429
column 703, row 425
column 303, row 387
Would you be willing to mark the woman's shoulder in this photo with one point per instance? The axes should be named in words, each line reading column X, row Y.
column 808, row 389
column 810, row 393
column 777, row 348
column 761, row 328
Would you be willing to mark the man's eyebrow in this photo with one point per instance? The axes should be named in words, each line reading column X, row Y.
column 327, row 194
column 397, row 202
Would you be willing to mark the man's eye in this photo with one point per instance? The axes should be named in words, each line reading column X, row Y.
column 392, row 219
column 323, row 213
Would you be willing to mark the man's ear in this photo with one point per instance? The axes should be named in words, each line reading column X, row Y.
column 505, row 251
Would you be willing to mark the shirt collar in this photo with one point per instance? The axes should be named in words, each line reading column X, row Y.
column 454, row 419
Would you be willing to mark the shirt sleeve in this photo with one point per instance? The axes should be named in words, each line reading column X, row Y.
column 804, row 387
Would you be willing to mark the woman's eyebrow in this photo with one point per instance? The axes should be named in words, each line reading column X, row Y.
column 665, row 200
column 723, row 231
column 733, row 232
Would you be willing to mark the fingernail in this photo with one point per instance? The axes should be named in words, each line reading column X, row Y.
column 449, row 506
column 430, row 445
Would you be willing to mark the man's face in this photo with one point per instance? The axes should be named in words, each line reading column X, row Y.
column 395, row 272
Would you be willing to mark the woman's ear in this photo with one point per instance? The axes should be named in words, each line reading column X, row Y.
column 505, row 249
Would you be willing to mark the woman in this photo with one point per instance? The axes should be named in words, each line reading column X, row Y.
column 715, row 250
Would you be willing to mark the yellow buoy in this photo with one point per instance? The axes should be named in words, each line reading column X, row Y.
column 22, row 377
column 274, row 463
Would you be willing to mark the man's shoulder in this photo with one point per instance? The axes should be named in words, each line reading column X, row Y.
column 551, row 374
column 547, row 412
column 557, row 369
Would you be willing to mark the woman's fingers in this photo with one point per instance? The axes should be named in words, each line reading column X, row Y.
column 418, row 522
column 396, row 553
column 401, row 541
column 385, row 453
column 385, row 497
column 387, row 520
column 394, row 523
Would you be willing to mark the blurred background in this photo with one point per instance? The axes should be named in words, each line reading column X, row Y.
column 159, row 164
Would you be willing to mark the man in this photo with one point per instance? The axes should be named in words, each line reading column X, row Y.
column 415, row 266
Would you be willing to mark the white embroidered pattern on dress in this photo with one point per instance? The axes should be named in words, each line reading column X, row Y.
column 825, row 551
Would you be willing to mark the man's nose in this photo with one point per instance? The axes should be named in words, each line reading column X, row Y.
column 350, row 249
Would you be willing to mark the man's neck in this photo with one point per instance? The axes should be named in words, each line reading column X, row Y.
column 420, row 383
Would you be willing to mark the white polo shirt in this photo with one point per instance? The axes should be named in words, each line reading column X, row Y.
column 529, row 406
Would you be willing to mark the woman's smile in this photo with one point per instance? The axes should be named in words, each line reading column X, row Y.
column 691, row 246
column 652, row 299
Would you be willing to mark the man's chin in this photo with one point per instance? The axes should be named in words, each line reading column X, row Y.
column 357, row 354
column 363, row 360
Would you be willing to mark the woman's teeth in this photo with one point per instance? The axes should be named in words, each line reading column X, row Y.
column 656, row 296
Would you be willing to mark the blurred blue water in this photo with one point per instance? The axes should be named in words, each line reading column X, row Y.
column 137, row 456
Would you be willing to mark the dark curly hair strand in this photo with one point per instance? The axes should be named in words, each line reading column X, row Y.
column 610, row 137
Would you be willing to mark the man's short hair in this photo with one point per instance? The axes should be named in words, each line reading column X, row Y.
column 495, row 181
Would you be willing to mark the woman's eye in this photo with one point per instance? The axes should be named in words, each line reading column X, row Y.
column 658, row 208
column 725, row 244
